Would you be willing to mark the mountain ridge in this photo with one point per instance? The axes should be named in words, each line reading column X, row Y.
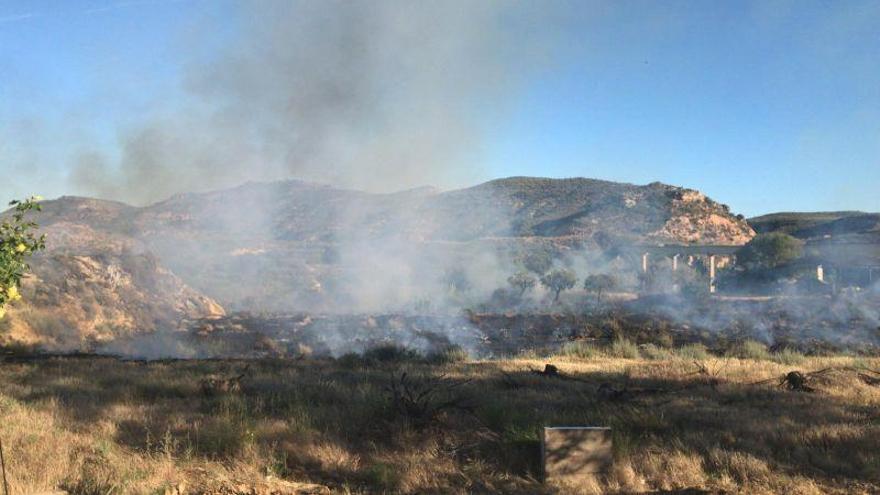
column 295, row 245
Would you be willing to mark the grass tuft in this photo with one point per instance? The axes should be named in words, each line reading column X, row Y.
column 693, row 352
column 750, row 349
column 624, row 349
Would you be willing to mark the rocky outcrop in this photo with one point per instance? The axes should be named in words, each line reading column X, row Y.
column 694, row 218
column 75, row 301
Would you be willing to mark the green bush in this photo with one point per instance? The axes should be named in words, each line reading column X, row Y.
column 788, row 356
column 18, row 240
column 384, row 476
column 350, row 360
column 449, row 355
column 391, row 353
column 623, row 348
column 657, row 353
column 750, row 349
column 581, row 350
column 693, row 351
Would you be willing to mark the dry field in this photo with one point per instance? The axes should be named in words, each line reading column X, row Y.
column 684, row 422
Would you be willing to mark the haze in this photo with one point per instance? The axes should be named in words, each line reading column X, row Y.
column 765, row 106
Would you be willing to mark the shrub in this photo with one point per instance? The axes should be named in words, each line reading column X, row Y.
column 750, row 349
column 655, row 352
column 788, row 356
column 448, row 355
column 390, row 353
column 384, row 476
column 770, row 250
column 623, row 348
column 581, row 350
column 350, row 360
column 18, row 241
column 693, row 351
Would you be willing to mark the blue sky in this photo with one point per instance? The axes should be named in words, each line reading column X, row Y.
column 765, row 106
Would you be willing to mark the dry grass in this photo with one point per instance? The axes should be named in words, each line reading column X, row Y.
column 96, row 425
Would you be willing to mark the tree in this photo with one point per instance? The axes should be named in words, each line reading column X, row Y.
column 522, row 281
column 767, row 251
column 457, row 280
column 17, row 242
column 558, row 281
column 538, row 262
column 598, row 283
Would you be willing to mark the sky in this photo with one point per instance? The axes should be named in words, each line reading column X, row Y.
column 765, row 106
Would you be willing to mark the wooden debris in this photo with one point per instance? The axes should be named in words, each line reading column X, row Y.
column 796, row 381
column 869, row 380
column 213, row 386
column 549, row 371
column 421, row 401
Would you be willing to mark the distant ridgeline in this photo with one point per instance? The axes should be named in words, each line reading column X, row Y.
column 112, row 268
column 846, row 241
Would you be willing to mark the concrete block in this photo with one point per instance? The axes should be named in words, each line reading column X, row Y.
column 571, row 452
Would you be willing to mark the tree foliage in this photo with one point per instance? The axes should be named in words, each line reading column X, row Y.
column 600, row 282
column 538, row 262
column 457, row 280
column 18, row 241
column 766, row 251
column 558, row 281
column 522, row 281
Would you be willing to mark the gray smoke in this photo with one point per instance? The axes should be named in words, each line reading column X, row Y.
column 374, row 95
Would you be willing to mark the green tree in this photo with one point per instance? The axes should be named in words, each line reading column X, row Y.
column 558, row 281
column 18, row 241
column 538, row 262
column 598, row 283
column 766, row 251
column 523, row 281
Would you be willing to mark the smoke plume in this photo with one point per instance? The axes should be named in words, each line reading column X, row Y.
column 373, row 95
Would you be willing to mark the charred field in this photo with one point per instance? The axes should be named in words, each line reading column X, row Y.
column 390, row 421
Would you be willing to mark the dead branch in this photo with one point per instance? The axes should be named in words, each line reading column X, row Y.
column 549, row 371
column 869, row 380
column 213, row 386
column 796, row 382
column 421, row 401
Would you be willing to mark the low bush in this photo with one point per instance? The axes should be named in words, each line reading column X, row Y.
column 623, row 348
column 391, row 353
column 788, row 356
column 693, row 352
column 449, row 355
column 750, row 349
column 581, row 350
column 656, row 353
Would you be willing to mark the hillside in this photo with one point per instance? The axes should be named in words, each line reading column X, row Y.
column 75, row 301
column 811, row 225
column 513, row 207
column 296, row 245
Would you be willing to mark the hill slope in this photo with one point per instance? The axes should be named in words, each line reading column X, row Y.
column 295, row 245
column 809, row 225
